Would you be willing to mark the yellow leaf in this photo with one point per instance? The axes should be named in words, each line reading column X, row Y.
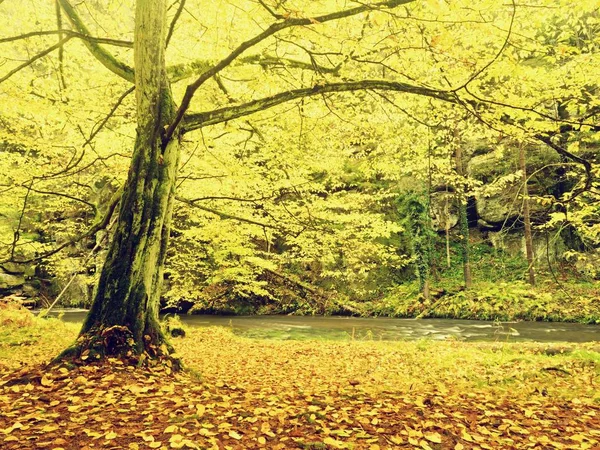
column 133, row 446
column 45, row 381
column 155, row 444
column 170, row 429
column 110, row 435
column 433, row 437
column 234, row 435
column 466, row 436
column 177, row 441
column 413, row 441
column 459, row 446
column 334, row 442
column 80, row 380
column 262, row 440
column 425, row 445
column 397, row 440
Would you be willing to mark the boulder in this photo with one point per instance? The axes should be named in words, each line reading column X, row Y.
column 500, row 201
column 9, row 282
column 514, row 244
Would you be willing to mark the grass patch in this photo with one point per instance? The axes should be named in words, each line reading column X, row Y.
column 499, row 301
column 28, row 339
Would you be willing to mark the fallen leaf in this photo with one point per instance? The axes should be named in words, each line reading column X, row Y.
column 433, row 437
column 234, row 435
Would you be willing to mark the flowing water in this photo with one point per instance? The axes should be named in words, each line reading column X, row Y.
column 331, row 328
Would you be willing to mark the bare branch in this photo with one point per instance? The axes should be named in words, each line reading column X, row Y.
column 97, row 226
column 272, row 61
column 199, row 120
column 98, row 40
column 106, row 59
column 109, row 115
column 495, row 58
column 174, row 21
column 17, row 233
column 567, row 154
column 223, row 215
column 61, row 49
column 34, row 59
column 270, row 31
column 269, row 10
column 62, row 194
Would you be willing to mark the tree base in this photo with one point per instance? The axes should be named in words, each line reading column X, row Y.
column 117, row 343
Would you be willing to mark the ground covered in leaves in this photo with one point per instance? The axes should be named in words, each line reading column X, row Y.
column 247, row 393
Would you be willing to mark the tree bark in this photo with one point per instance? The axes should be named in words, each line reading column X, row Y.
column 463, row 222
column 123, row 320
column 527, row 218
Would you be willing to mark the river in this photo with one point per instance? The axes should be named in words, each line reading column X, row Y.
column 344, row 328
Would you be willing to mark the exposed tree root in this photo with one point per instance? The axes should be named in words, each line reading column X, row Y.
column 117, row 342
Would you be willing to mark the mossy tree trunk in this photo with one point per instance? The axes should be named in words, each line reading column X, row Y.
column 419, row 225
column 527, row 218
column 463, row 222
column 123, row 320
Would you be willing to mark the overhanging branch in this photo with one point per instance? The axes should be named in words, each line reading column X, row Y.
column 199, row 120
column 270, row 31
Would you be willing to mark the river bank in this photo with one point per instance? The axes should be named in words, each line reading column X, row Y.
column 492, row 301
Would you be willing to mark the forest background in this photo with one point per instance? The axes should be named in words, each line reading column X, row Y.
column 480, row 201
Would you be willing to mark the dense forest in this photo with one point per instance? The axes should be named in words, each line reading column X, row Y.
column 401, row 158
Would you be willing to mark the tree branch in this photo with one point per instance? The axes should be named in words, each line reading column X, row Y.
column 97, row 226
column 98, row 40
column 223, row 215
column 34, row 59
column 272, row 61
column 199, row 120
column 62, row 194
column 567, row 154
column 106, row 59
column 174, row 21
column 270, row 31
column 61, row 49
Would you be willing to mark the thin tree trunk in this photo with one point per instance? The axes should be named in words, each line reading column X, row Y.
column 526, row 218
column 123, row 320
column 463, row 222
column 447, row 229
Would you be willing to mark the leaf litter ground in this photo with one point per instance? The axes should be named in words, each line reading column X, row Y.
column 246, row 393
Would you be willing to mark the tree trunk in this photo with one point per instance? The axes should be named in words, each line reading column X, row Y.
column 527, row 219
column 447, row 230
column 463, row 222
column 123, row 320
